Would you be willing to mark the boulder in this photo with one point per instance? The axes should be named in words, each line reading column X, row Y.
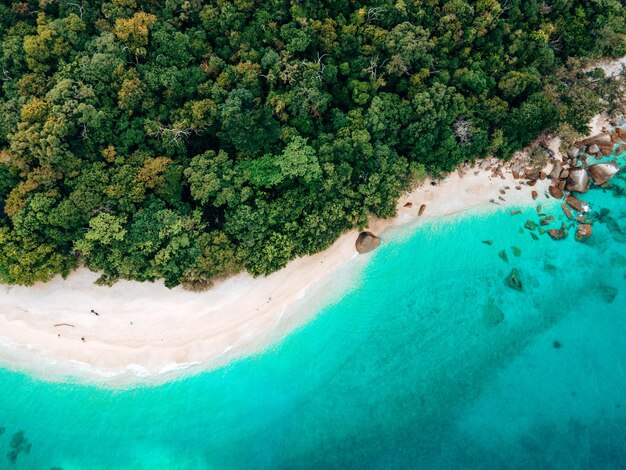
column 603, row 172
column 408, row 205
column 600, row 140
column 422, row 209
column 621, row 132
column 564, row 174
column 593, row 149
column 578, row 180
column 573, row 152
column 559, row 234
column 583, row 232
column 556, row 170
column 513, row 280
column 534, row 194
column 574, row 202
column 366, row 241
column 555, row 192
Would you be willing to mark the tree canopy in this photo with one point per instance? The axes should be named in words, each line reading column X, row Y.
column 187, row 140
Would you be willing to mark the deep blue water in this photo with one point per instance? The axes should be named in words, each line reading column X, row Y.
column 411, row 368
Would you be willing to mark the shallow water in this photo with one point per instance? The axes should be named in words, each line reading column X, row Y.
column 410, row 369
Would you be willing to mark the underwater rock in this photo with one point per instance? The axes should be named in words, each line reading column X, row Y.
column 534, row 236
column 2, row 430
column 516, row 251
column 530, row 225
column 513, row 280
column 366, row 241
column 574, row 202
column 492, row 315
column 487, row 242
column 608, row 293
column 567, row 212
column 583, row 232
column 547, row 220
column 559, row 234
column 603, row 172
column 503, row 256
column 516, row 212
column 422, row 209
column 556, row 344
column 578, row 180
column 19, row 444
column 555, row 192
column 616, row 260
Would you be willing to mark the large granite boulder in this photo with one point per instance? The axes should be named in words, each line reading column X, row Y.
column 603, row 172
column 366, row 241
column 556, row 170
column 577, row 180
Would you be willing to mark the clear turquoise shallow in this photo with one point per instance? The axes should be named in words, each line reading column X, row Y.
column 402, row 372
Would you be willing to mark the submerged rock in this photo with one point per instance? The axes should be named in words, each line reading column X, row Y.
column 366, row 241
column 583, row 232
column 534, row 236
column 559, row 234
column 547, row 220
column 503, row 256
column 603, row 172
column 567, row 212
column 513, row 280
column 577, row 180
column 492, row 315
column 488, row 242
column 608, row 293
column 516, row 251
column 530, row 225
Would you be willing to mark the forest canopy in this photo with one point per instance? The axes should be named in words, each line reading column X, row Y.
column 190, row 140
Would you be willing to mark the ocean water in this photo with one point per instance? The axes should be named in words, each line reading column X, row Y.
column 429, row 360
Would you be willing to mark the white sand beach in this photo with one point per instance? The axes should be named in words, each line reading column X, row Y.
column 149, row 333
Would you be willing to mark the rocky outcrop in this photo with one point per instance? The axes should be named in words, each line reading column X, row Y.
column 577, row 180
column 603, row 172
column 366, row 241
column 583, row 232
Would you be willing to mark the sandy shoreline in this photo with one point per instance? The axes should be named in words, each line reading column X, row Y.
column 147, row 333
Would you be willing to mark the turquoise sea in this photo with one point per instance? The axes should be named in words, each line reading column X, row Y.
column 428, row 361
